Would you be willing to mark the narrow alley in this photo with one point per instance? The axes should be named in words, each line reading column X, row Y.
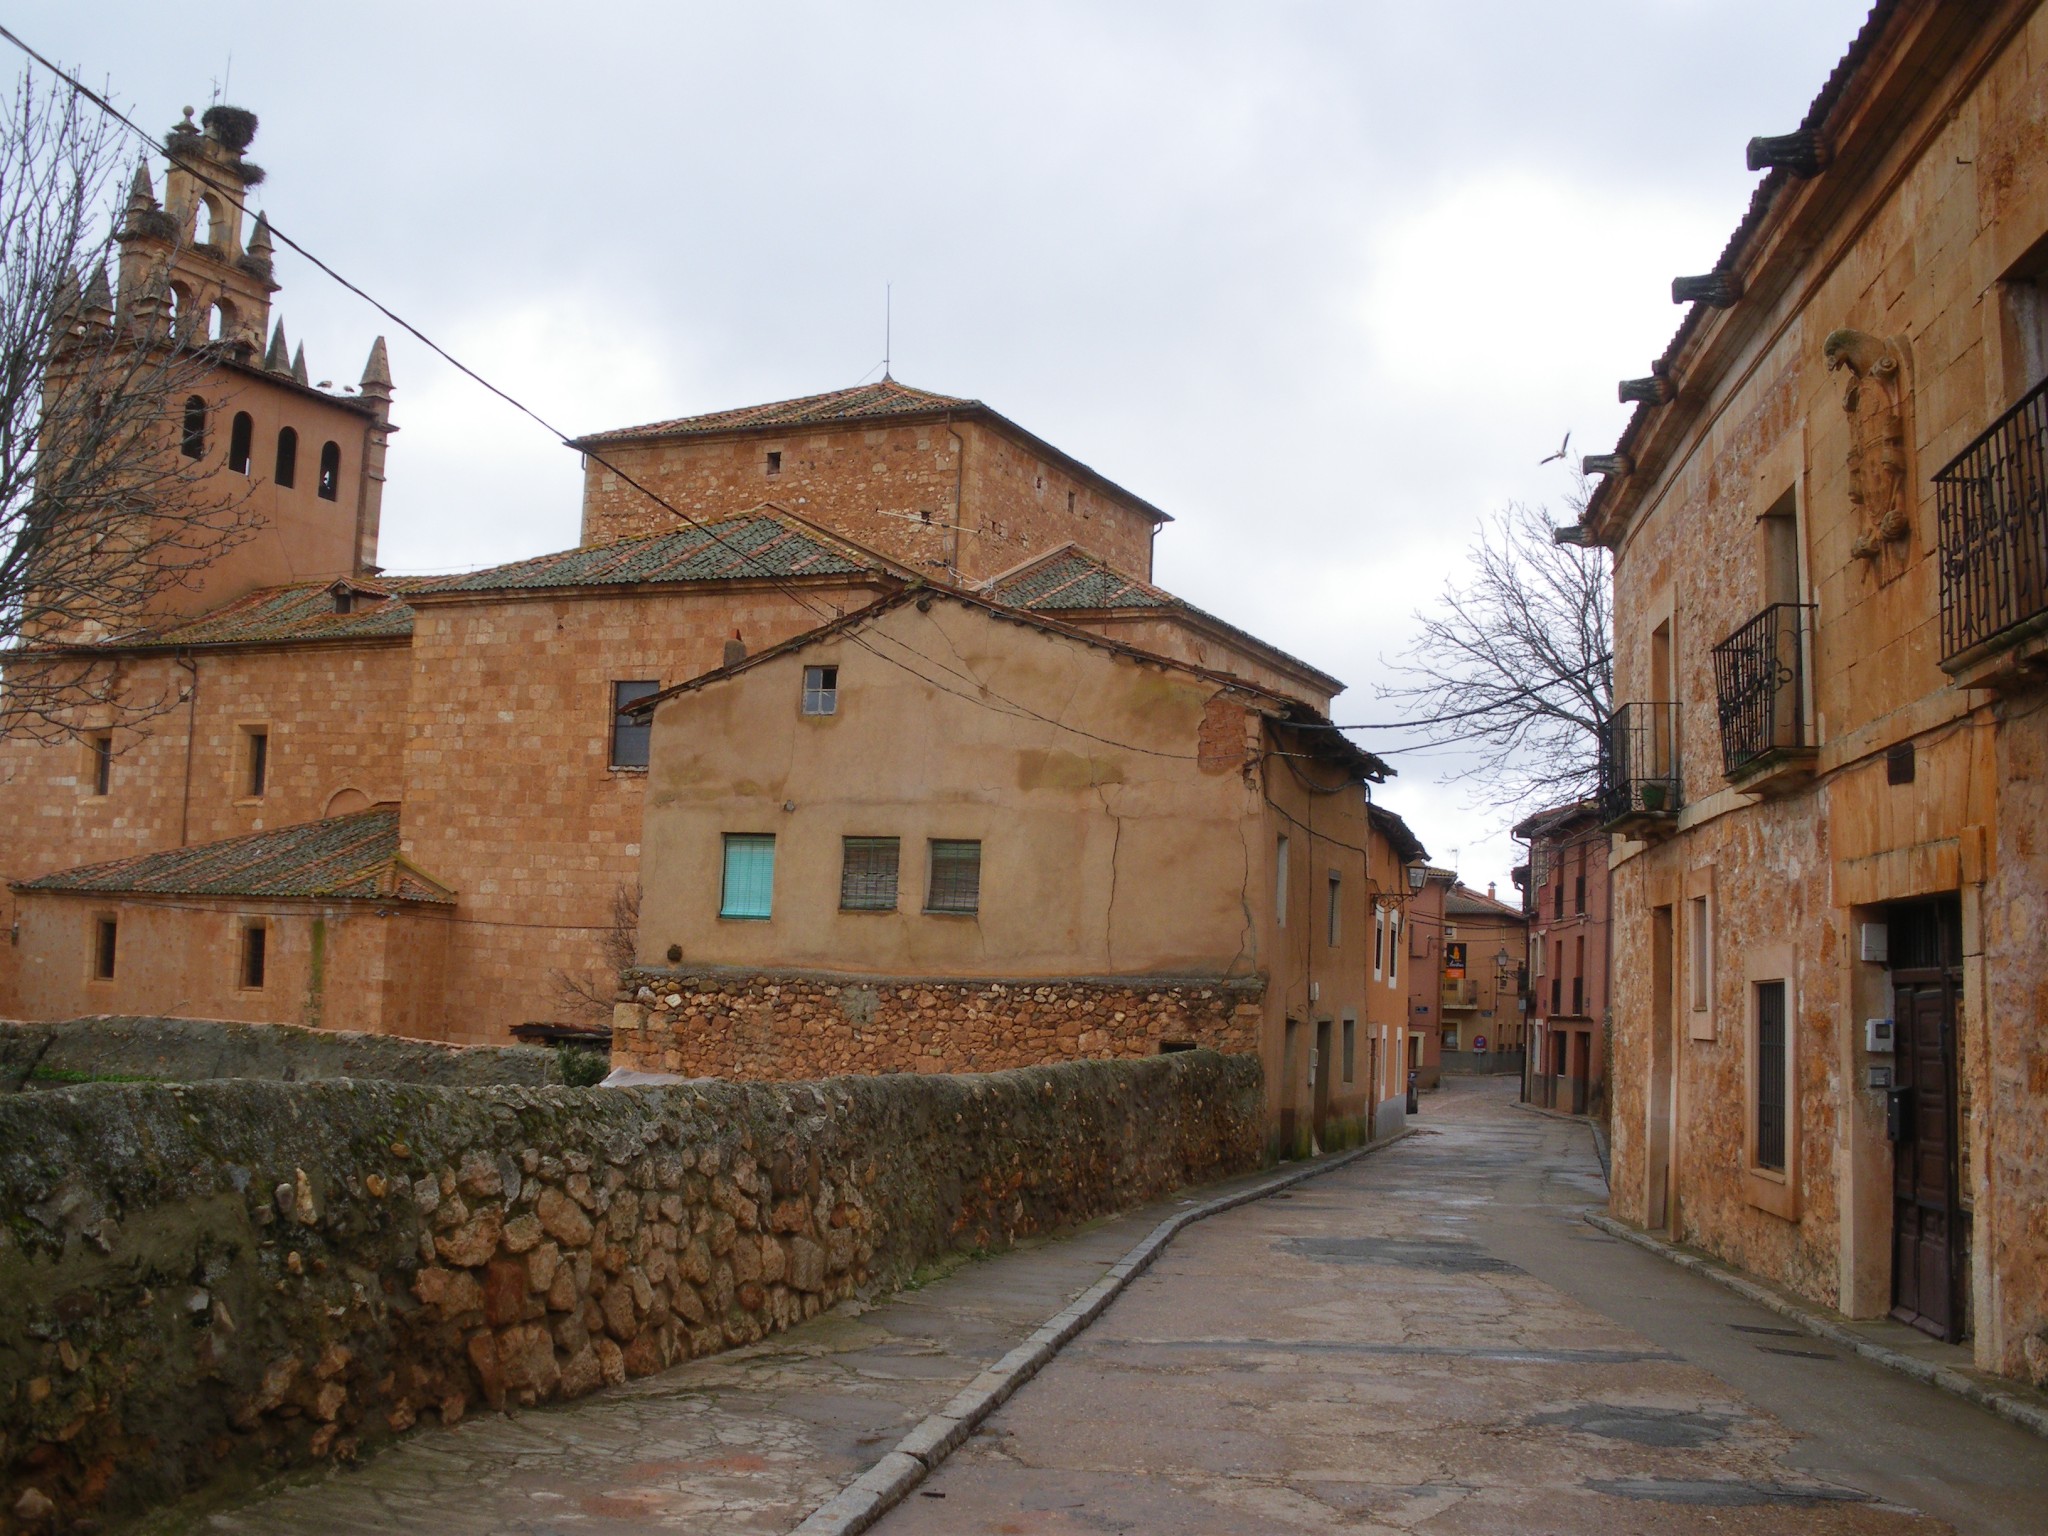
column 1433, row 1340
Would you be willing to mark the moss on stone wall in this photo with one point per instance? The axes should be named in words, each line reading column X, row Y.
column 219, row 1280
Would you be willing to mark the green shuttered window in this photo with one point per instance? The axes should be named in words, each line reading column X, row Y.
column 749, row 887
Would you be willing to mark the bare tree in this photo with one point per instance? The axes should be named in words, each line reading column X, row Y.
column 591, row 995
column 1516, row 664
column 104, row 509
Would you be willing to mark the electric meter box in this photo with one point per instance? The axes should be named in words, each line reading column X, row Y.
column 1878, row 1037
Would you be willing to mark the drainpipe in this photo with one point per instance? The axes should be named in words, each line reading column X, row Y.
column 191, row 665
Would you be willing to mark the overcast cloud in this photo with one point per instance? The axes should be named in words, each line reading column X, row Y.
column 1325, row 281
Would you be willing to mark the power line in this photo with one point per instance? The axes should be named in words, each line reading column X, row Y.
column 796, row 594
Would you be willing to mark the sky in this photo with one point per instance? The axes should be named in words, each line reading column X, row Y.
column 1326, row 281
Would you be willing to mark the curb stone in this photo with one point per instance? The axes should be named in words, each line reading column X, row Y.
column 2006, row 1404
column 886, row 1484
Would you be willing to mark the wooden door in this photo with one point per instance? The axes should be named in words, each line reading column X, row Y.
column 1320, row 1066
column 1926, row 1220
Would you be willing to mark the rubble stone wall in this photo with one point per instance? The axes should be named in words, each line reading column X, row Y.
column 209, row 1283
column 796, row 1024
column 197, row 1050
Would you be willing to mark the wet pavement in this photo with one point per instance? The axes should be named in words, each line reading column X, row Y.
column 1429, row 1339
column 1433, row 1340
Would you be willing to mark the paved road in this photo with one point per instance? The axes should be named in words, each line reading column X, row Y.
column 1432, row 1340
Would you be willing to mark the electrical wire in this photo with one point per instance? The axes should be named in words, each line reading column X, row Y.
column 283, row 238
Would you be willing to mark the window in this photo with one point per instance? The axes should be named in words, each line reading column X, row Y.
column 101, row 748
column 1697, row 912
column 1557, row 897
column 821, row 690
column 749, row 886
column 241, row 442
column 1379, row 940
column 1540, row 948
column 105, row 935
column 193, row 443
column 1394, row 947
column 867, row 873
column 1350, row 1047
column 1336, row 915
column 287, row 458
column 631, row 734
column 344, row 600
column 1579, row 887
column 1280, row 882
column 955, row 884
column 1579, row 977
column 255, row 762
column 774, row 461
column 330, row 472
column 254, row 940
column 1770, row 1075
column 1070, row 511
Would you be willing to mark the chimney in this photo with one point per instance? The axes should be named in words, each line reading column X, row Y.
column 735, row 650
column 1489, row 891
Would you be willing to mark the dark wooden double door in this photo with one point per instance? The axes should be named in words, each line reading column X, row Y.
column 1929, row 1225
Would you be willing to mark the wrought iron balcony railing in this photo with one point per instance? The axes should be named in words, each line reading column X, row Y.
column 1639, row 765
column 1760, row 683
column 1992, row 502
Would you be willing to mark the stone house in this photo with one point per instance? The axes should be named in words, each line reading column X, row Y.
column 294, row 685
column 1828, row 773
column 1566, row 885
column 944, row 834
column 1481, row 966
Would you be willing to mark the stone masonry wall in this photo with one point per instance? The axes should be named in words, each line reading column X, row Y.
column 195, row 1050
column 793, row 1024
column 201, row 1285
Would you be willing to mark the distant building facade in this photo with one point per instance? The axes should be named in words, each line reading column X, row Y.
column 1566, row 884
column 1826, row 773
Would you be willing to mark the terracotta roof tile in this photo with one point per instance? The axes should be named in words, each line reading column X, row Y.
column 863, row 402
column 288, row 613
column 756, row 546
column 343, row 856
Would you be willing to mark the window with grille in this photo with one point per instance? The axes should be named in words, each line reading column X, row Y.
column 955, row 884
column 867, row 873
column 821, row 690
column 631, row 734
column 255, row 939
column 1770, row 1075
column 748, row 889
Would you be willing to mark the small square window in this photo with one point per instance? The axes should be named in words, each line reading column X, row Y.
column 631, row 734
column 867, row 873
column 102, row 761
column 774, row 461
column 821, row 690
column 748, row 890
column 105, row 937
column 955, row 884
column 255, row 939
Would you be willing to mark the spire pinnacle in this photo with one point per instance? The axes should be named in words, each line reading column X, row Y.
column 377, row 371
column 99, row 297
column 279, row 358
column 299, row 366
column 259, row 237
column 141, row 192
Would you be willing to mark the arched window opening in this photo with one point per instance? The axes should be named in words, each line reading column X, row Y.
column 203, row 221
column 220, row 321
column 330, row 472
column 241, row 442
column 177, row 309
column 287, row 458
column 194, row 444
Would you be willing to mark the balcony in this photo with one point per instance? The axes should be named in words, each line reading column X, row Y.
column 1460, row 994
column 1760, row 687
column 1992, row 503
column 1639, row 787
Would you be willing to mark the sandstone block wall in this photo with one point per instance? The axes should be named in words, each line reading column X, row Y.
column 214, row 1282
column 792, row 1024
column 196, row 1050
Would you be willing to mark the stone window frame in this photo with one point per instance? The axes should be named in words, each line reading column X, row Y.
column 253, row 765
column 1701, row 978
column 103, row 940
column 244, row 930
column 1772, row 1190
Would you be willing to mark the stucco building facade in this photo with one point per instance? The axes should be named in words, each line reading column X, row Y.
column 1826, row 775
column 1567, row 905
column 944, row 834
